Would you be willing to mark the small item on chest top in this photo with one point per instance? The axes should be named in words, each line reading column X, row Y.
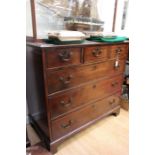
column 66, row 37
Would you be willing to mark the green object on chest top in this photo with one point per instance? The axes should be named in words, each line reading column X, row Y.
column 110, row 40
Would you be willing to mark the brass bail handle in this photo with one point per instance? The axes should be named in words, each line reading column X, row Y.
column 112, row 102
column 97, row 52
column 67, row 104
column 65, row 55
column 65, row 126
column 66, row 80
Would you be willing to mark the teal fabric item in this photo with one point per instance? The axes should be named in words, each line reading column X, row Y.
column 116, row 39
column 58, row 42
column 110, row 40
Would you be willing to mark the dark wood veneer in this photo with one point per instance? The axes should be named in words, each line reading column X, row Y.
column 62, row 57
column 72, row 76
column 74, row 120
column 76, row 84
column 119, row 51
column 62, row 102
column 96, row 53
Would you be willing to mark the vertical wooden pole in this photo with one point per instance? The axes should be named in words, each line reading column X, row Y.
column 114, row 17
column 33, row 19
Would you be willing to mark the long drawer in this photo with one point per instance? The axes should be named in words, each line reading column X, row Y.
column 72, row 76
column 63, row 102
column 72, row 121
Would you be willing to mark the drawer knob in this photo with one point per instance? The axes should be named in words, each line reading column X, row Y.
column 67, row 80
column 114, row 84
column 94, row 86
column 94, row 106
column 94, row 67
column 65, row 126
column 97, row 52
column 67, row 104
column 65, row 55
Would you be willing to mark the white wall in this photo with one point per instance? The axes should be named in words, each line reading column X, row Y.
column 118, row 25
column 28, row 19
column 107, row 11
column 46, row 21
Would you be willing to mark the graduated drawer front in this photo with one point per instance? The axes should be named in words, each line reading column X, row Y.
column 64, row 102
column 118, row 51
column 106, row 104
column 72, row 121
column 72, row 76
column 59, row 57
column 96, row 53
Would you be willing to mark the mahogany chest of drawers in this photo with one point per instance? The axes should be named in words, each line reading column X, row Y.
column 75, row 85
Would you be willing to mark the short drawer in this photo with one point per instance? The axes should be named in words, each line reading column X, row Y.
column 59, row 57
column 118, row 51
column 72, row 76
column 68, row 100
column 96, row 53
column 72, row 121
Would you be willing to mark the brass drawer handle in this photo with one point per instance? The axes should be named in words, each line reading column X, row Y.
column 118, row 50
column 114, row 84
column 67, row 104
column 112, row 102
column 65, row 55
column 97, row 52
column 67, row 80
column 65, row 126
